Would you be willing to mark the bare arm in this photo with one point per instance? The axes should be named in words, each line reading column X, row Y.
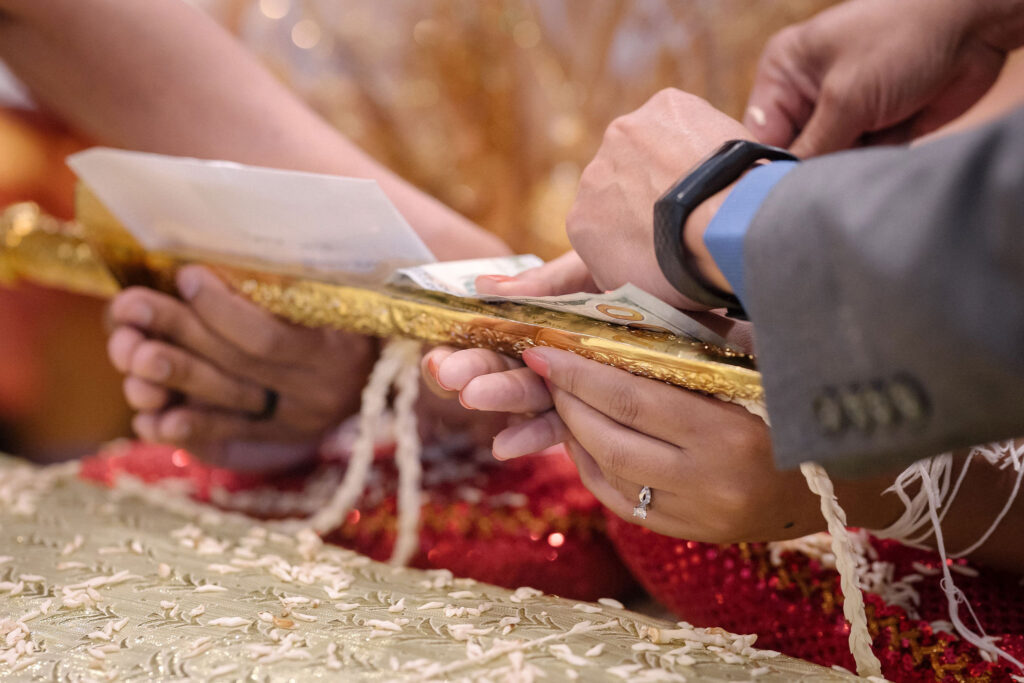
column 161, row 76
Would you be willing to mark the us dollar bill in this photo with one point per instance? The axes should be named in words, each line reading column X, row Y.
column 628, row 305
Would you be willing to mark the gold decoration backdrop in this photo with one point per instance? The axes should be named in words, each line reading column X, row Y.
column 496, row 106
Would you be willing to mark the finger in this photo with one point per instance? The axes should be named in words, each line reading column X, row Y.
column 456, row 370
column 566, row 274
column 781, row 99
column 664, row 512
column 160, row 316
column 619, row 451
column 429, row 364
column 530, row 436
column 145, row 396
column 244, row 324
column 144, row 426
column 835, row 124
column 121, row 347
column 194, row 428
column 513, row 391
column 169, row 366
column 224, row 440
column 644, row 405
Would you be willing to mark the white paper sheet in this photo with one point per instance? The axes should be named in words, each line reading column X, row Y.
column 309, row 224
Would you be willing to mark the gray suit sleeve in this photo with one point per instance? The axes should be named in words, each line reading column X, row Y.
column 886, row 288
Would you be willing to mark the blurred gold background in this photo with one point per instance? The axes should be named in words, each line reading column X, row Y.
column 493, row 106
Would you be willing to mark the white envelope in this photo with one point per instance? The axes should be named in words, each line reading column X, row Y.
column 307, row 224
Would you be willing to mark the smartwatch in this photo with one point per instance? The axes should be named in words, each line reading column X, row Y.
column 709, row 177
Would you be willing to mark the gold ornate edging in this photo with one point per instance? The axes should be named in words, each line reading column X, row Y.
column 50, row 252
column 433, row 318
column 97, row 256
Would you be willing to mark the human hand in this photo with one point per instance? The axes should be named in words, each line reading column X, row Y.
column 871, row 71
column 709, row 463
column 643, row 153
column 197, row 372
column 488, row 381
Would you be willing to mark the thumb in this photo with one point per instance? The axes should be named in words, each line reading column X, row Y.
column 835, row 125
column 567, row 274
column 775, row 113
column 778, row 106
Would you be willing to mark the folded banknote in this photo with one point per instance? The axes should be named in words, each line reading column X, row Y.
column 628, row 305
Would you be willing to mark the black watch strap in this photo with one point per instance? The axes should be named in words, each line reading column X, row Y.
column 711, row 176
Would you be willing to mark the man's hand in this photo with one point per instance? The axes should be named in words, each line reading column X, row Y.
column 643, row 154
column 870, row 71
column 198, row 372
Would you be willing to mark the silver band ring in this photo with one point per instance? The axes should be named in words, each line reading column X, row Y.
column 640, row 511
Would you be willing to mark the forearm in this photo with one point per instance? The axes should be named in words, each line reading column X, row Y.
column 896, row 275
column 160, row 76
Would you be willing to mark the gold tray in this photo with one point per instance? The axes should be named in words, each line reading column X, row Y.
column 95, row 255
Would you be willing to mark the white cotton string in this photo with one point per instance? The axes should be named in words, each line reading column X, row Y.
column 842, row 548
column 910, row 529
column 999, row 518
column 407, row 456
column 395, row 361
column 954, row 595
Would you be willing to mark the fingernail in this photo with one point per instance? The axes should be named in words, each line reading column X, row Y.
column 537, row 361
column 463, row 402
column 757, row 115
column 499, row 278
column 432, row 367
column 178, row 430
column 188, row 284
column 139, row 314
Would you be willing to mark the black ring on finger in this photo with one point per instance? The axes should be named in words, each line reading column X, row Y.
column 270, row 401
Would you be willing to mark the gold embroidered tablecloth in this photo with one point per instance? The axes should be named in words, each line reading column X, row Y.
column 98, row 584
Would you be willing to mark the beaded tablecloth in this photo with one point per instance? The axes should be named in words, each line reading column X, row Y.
column 98, row 584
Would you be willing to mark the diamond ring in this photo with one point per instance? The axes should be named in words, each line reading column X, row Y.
column 640, row 511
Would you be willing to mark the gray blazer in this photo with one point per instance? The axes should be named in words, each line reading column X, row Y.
column 886, row 288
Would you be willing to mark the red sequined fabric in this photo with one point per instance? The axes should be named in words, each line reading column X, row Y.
column 528, row 522
column 796, row 606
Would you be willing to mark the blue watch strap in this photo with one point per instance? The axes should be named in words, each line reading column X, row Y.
column 725, row 233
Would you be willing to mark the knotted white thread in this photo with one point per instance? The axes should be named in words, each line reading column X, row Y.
column 842, row 547
column 843, row 550
column 398, row 365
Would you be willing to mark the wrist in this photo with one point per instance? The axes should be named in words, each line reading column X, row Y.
column 693, row 239
column 864, row 503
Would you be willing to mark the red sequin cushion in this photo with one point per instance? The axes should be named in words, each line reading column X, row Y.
column 795, row 605
column 528, row 522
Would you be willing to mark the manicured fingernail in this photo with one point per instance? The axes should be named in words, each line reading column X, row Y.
column 188, row 284
column 537, row 361
column 432, row 367
column 463, row 402
column 139, row 314
column 499, row 278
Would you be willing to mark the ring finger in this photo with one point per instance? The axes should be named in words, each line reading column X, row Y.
column 168, row 366
column 621, row 496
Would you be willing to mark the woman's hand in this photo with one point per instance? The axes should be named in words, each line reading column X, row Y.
column 204, row 372
column 709, row 463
